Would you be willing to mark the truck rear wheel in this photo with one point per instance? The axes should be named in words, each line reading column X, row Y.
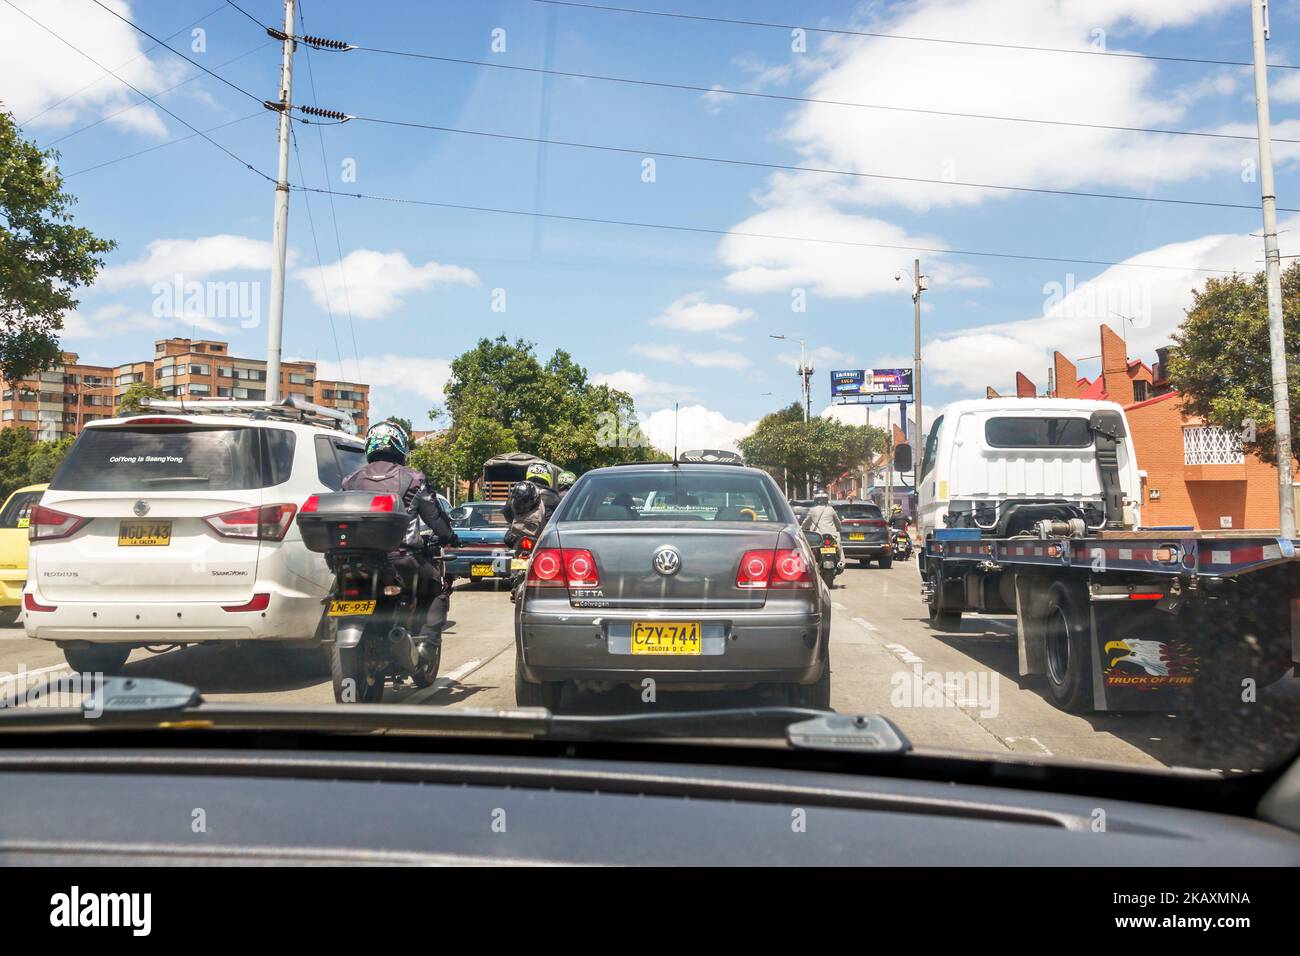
column 1068, row 649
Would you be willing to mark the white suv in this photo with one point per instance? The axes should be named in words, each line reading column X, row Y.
column 178, row 528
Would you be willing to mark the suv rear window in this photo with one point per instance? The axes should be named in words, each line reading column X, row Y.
column 678, row 495
column 336, row 460
column 858, row 510
column 147, row 458
column 1025, row 432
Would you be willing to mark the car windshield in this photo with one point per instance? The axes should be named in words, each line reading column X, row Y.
column 1012, row 285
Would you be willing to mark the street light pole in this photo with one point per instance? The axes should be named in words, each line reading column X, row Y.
column 919, row 284
column 1273, row 276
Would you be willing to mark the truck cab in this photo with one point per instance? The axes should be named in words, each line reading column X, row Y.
column 1000, row 465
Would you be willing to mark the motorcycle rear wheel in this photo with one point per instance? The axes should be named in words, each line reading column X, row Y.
column 354, row 676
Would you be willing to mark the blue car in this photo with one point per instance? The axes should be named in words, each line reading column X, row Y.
column 482, row 554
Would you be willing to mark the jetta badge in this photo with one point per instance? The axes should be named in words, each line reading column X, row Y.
column 667, row 560
column 141, row 509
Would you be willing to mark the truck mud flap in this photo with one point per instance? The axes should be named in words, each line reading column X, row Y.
column 1143, row 658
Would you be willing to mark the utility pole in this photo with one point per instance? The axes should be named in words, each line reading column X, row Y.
column 889, row 464
column 919, row 284
column 280, row 236
column 1273, row 275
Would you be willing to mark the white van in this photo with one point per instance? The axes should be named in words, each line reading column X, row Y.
column 178, row 528
column 983, row 456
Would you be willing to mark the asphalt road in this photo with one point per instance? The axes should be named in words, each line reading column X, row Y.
column 947, row 691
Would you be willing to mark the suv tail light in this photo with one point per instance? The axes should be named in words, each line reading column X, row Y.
column 563, row 568
column 45, row 524
column 784, row 568
column 30, row 604
column 260, row 602
column 267, row 523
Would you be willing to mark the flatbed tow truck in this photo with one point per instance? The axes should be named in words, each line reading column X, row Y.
column 1119, row 618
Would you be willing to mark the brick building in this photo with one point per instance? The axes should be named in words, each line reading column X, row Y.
column 57, row 403
column 1193, row 474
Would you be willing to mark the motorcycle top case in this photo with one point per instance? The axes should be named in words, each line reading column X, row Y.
column 344, row 521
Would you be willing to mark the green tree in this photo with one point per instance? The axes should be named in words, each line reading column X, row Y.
column 502, row 398
column 398, row 420
column 26, row 461
column 44, row 258
column 130, row 400
column 822, row 449
column 1220, row 358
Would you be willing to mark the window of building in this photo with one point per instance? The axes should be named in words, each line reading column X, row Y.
column 8, row 414
column 1209, row 445
column 1141, row 391
column 26, row 415
column 200, row 369
column 200, row 388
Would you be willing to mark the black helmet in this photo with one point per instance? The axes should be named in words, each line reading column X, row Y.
column 524, row 496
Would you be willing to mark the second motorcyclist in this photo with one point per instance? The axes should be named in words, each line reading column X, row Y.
column 825, row 520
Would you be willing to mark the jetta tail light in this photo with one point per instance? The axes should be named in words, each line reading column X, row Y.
column 46, row 524
column 782, row 568
column 563, row 568
column 267, row 523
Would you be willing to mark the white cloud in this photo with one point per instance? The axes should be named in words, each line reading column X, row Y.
column 821, row 357
column 1156, row 299
column 403, row 385
column 192, row 259
column 695, row 427
column 648, row 393
column 679, row 356
column 828, row 268
column 109, row 321
column 37, row 71
column 694, row 313
column 373, row 283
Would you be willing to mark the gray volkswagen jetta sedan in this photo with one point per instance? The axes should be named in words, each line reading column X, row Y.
column 695, row 575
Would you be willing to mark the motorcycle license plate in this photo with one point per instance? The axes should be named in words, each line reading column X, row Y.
column 350, row 608
column 829, row 550
column 666, row 637
column 480, row 570
column 857, row 536
column 518, row 564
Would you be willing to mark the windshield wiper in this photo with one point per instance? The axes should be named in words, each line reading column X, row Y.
column 132, row 703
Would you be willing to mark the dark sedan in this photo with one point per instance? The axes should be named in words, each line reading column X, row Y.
column 482, row 554
column 693, row 575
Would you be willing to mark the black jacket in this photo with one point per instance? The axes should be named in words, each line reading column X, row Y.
column 387, row 477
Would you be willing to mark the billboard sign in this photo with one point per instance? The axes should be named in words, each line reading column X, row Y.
column 871, row 381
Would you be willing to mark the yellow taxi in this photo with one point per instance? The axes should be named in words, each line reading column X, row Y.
column 13, row 549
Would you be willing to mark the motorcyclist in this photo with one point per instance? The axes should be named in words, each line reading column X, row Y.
column 385, row 471
column 526, row 514
column 565, row 482
column 824, row 520
column 541, row 475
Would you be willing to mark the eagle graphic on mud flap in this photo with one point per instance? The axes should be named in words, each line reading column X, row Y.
column 1149, row 664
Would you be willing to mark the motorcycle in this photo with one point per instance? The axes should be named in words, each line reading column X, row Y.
column 829, row 559
column 902, row 545
column 519, row 564
column 375, row 608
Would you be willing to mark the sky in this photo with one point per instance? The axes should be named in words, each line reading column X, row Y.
column 837, row 160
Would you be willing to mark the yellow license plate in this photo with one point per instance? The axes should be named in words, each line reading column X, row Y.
column 144, row 534
column 857, row 537
column 518, row 564
column 829, row 550
column 480, row 570
column 666, row 637
column 350, row 608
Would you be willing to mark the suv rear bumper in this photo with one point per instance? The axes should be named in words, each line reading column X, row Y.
column 746, row 647
column 866, row 549
column 288, row 617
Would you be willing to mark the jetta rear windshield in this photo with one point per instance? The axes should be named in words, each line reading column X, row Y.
column 166, row 458
column 672, row 496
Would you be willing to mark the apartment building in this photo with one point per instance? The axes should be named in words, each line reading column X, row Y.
column 57, row 403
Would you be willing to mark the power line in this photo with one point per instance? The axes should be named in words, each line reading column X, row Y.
column 126, row 109
column 142, row 53
column 790, row 98
column 140, row 92
column 311, row 223
column 1128, row 55
column 758, row 235
column 217, row 76
column 338, row 242
column 170, row 142
column 246, row 13
column 731, row 161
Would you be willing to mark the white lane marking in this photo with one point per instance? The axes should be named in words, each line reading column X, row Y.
column 863, row 623
column 457, row 674
column 838, row 606
column 1042, row 748
column 903, row 654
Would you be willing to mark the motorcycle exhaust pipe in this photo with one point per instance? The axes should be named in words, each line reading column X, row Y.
column 403, row 648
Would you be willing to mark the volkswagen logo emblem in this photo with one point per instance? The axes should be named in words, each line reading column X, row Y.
column 141, row 509
column 667, row 560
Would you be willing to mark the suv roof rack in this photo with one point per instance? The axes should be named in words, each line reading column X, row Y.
column 291, row 408
column 711, row 456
